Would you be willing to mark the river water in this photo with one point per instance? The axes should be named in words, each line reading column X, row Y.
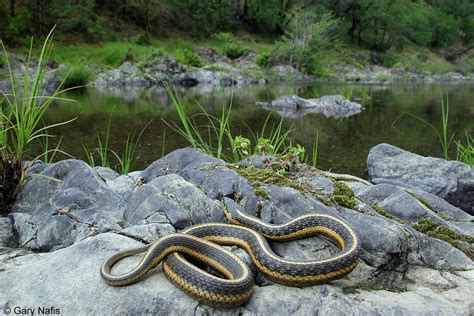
column 344, row 143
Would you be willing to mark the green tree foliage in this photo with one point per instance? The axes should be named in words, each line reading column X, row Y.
column 376, row 24
column 307, row 35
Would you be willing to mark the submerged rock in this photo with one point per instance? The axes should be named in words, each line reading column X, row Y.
column 88, row 215
column 330, row 106
column 450, row 180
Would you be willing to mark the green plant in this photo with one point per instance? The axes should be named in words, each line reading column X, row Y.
column 233, row 49
column 187, row 57
column 465, row 152
column 223, row 37
column 143, row 39
column 242, row 145
column 262, row 60
column 295, row 154
column 314, row 157
column 346, row 91
column 445, row 138
column 127, row 159
column 77, row 77
column 216, row 133
column 22, row 110
column 217, row 129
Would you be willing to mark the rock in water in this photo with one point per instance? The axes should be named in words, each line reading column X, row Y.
column 450, row 180
column 330, row 105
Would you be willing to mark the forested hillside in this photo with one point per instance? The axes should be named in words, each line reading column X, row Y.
column 375, row 24
column 319, row 37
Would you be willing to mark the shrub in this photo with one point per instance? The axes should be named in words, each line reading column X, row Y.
column 143, row 39
column 262, row 60
column 387, row 59
column 78, row 76
column 234, row 49
column 187, row 57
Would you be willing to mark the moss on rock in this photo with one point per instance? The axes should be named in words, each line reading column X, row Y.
column 344, row 196
column 443, row 232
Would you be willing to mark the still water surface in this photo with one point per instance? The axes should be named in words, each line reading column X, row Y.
column 343, row 143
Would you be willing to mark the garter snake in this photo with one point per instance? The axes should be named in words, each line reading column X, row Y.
column 250, row 233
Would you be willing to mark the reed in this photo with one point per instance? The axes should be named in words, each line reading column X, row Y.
column 216, row 137
column 21, row 113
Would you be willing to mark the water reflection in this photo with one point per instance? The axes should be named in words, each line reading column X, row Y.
column 343, row 143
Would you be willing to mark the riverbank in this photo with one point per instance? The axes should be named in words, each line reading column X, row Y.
column 413, row 262
column 187, row 63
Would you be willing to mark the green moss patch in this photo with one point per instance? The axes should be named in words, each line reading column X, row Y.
column 258, row 177
column 443, row 232
column 344, row 196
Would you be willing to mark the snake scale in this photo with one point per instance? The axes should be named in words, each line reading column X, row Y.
column 234, row 284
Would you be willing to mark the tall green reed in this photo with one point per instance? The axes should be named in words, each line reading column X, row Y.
column 22, row 110
column 216, row 136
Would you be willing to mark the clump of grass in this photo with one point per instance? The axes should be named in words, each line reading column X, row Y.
column 187, row 57
column 22, row 110
column 125, row 160
column 465, row 152
column 77, row 77
column 216, row 134
column 443, row 232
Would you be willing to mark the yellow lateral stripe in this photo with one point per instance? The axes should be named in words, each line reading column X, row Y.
column 261, row 244
column 216, row 298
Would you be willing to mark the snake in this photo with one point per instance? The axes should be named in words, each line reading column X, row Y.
column 231, row 282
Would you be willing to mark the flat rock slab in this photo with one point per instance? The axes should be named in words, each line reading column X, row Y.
column 69, row 280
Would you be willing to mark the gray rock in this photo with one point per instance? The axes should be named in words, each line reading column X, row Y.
column 433, row 175
column 148, row 232
column 260, row 161
column 179, row 160
column 85, row 219
column 7, row 236
column 330, row 106
column 64, row 204
column 430, row 292
column 171, row 199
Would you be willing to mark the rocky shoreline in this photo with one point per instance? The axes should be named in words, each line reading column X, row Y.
column 243, row 71
column 417, row 249
column 221, row 71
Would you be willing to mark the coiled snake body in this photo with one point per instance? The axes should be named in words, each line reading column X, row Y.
column 235, row 288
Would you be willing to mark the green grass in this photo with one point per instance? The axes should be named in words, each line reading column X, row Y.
column 217, row 138
column 124, row 159
column 77, row 77
column 21, row 121
column 465, row 151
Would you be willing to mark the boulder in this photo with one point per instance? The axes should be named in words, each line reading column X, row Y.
column 86, row 215
column 450, row 180
column 65, row 203
column 330, row 106
column 51, row 279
